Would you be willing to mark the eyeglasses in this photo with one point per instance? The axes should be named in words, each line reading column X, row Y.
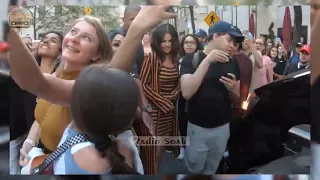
column 189, row 43
column 260, row 44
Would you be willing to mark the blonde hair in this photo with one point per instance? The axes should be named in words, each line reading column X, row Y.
column 104, row 44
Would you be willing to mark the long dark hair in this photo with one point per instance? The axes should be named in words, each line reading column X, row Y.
column 157, row 38
column 38, row 58
column 199, row 46
column 269, row 53
column 99, row 99
column 111, row 34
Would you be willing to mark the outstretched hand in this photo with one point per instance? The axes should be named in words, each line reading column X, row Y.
column 151, row 16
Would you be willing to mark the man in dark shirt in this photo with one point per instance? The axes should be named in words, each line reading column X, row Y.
column 210, row 86
column 130, row 13
column 304, row 63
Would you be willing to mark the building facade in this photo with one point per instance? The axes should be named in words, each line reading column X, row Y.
column 239, row 16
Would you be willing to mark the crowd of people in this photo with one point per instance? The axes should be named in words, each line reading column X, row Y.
column 140, row 80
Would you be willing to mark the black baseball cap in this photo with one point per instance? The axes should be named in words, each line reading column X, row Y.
column 225, row 27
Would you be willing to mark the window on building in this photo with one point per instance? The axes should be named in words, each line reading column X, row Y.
column 202, row 9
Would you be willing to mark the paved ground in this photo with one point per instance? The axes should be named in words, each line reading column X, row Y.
column 169, row 165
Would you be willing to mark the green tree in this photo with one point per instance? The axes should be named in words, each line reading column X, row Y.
column 107, row 14
column 52, row 17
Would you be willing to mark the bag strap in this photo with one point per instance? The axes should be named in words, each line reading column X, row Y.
column 57, row 153
column 196, row 59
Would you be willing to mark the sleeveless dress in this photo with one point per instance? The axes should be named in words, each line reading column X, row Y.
column 53, row 119
column 65, row 164
column 126, row 138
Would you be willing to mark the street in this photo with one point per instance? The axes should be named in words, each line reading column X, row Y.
column 169, row 165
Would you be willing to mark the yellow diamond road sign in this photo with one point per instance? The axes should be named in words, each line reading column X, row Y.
column 211, row 18
column 88, row 10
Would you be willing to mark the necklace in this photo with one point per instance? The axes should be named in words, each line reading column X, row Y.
column 44, row 118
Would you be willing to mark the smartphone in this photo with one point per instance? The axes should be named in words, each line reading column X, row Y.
column 228, row 76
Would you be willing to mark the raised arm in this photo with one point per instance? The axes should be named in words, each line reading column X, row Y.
column 269, row 66
column 162, row 103
column 255, row 53
column 26, row 73
column 257, row 58
column 148, row 17
column 191, row 79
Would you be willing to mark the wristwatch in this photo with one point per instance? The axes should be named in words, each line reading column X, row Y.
column 147, row 108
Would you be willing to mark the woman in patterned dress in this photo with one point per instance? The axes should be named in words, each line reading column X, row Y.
column 160, row 80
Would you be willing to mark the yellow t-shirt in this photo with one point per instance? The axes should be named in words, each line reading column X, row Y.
column 57, row 117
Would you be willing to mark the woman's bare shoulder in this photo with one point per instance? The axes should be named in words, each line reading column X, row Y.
column 90, row 160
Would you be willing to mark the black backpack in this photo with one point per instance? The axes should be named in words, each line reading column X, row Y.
column 196, row 59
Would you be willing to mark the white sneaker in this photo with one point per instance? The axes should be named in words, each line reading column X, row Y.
column 181, row 155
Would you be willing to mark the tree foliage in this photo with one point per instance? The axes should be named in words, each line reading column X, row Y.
column 107, row 14
column 58, row 17
column 52, row 17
